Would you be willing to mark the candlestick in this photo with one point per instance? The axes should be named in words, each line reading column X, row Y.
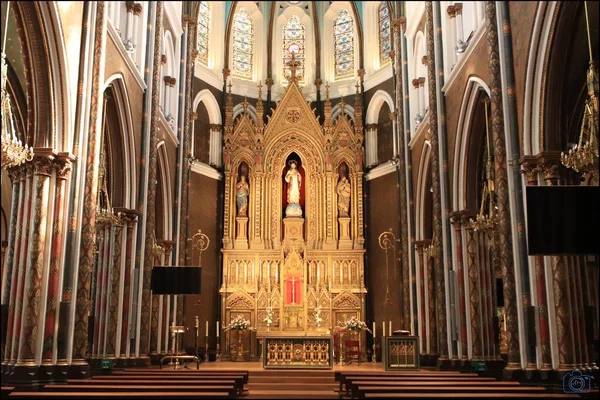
column 383, row 325
column 390, row 330
column 374, row 331
column 206, row 334
column 217, row 328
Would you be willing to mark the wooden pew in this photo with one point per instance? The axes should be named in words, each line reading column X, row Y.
column 140, row 372
column 201, row 381
column 410, row 378
column 6, row 391
column 229, row 389
column 118, row 395
column 359, row 391
column 495, row 396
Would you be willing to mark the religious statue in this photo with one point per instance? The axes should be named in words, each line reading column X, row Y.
column 242, row 190
column 294, row 181
column 343, row 192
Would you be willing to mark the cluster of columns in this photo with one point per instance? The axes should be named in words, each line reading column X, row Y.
column 33, row 281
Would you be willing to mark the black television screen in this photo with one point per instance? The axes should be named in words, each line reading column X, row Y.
column 176, row 280
column 563, row 220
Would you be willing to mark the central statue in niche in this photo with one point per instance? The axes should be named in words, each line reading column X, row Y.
column 294, row 181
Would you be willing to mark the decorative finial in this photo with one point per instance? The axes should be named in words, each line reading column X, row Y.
column 293, row 64
column 327, row 90
column 229, row 86
column 357, row 86
column 260, row 90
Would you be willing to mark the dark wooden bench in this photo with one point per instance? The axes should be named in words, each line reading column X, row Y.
column 229, row 389
column 6, row 390
column 496, row 396
column 430, row 379
column 118, row 395
column 237, row 382
column 201, row 372
column 359, row 391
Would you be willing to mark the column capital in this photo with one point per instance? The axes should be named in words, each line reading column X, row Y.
column 415, row 83
column 163, row 59
column 424, row 60
column 361, row 73
column 318, row 83
column 458, row 7
column 451, row 10
column 215, row 127
column 226, row 73
column 137, row 8
column 369, row 127
column 421, row 81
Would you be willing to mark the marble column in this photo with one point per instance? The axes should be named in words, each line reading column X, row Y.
column 42, row 166
column 114, row 285
column 79, row 366
column 438, row 250
column 531, row 171
column 53, row 297
column 146, row 298
column 431, row 303
column 457, row 221
column 503, row 193
column 474, row 294
column 130, row 230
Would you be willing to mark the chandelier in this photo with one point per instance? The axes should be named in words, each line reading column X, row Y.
column 486, row 221
column 13, row 151
column 583, row 157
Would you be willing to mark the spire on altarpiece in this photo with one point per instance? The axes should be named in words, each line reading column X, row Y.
column 327, row 106
column 259, row 106
column 229, row 107
column 358, row 109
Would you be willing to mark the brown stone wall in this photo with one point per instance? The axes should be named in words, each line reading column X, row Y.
column 203, row 198
column 382, row 214
column 116, row 64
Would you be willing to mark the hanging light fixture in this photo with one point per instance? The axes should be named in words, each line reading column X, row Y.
column 13, row 151
column 583, row 157
column 486, row 221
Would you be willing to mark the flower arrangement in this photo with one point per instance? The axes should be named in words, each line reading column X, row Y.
column 269, row 317
column 354, row 324
column 318, row 318
column 238, row 324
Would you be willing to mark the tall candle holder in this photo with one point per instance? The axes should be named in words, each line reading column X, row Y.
column 206, row 349
column 218, row 359
column 341, row 361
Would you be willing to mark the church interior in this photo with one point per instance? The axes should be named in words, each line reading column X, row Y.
column 299, row 199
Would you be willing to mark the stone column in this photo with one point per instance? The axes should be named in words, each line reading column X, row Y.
column 531, row 171
column 129, row 32
column 457, row 221
column 114, row 286
column 460, row 36
column 18, row 179
column 62, row 167
column 438, row 250
column 130, row 230
column 451, row 32
column 371, row 144
column 474, row 294
column 216, row 145
column 503, row 193
column 18, row 276
column 420, row 246
column 26, row 360
column 422, row 107
column 79, row 366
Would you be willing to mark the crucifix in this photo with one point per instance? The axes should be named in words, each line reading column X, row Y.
column 293, row 64
column 293, row 290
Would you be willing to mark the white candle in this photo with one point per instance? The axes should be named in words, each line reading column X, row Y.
column 390, row 330
column 374, row 331
column 217, row 328
column 206, row 329
column 383, row 326
column 196, row 325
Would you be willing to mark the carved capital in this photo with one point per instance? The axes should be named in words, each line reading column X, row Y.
column 458, row 7
column 370, row 127
column 530, row 169
column 415, row 83
column 361, row 73
column 399, row 24
column 424, row 60
column 129, row 6
column 163, row 59
column 194, row 116
column 226, row 73
column 195, row 53
column 215, row 127
column 43, row 166
column 137, row 9
column 421, row 81
column 451, row 11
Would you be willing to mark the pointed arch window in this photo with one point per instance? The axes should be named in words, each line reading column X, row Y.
column 203, row 30
column 294, row 39
column 243, row 43
column 343, row 31
column 385, row 37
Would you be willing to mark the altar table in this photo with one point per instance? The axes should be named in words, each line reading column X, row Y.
column 308, row 352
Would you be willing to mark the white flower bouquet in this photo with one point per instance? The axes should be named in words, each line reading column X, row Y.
column 354, row 324
column 269, row 317
column 238, row 324
column 318, row 318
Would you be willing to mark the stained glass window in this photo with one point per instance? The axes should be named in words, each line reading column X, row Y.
column 203, row 24
column 243, row 41
column 343, row 32
column 294, row 35
column 385, row 41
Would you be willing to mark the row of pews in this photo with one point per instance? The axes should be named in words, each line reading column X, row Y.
column 146, row 384
column 434, row 385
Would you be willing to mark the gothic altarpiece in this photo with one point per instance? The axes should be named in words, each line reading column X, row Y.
column 293, row 218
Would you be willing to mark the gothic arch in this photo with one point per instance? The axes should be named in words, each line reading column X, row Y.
column 474, row 87
column 212, row 106
column 375, row 104
column 126, row 139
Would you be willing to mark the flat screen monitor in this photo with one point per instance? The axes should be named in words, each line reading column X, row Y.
column 176, row 280
column 563, row 220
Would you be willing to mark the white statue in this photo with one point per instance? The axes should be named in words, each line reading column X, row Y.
column 294, row 181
